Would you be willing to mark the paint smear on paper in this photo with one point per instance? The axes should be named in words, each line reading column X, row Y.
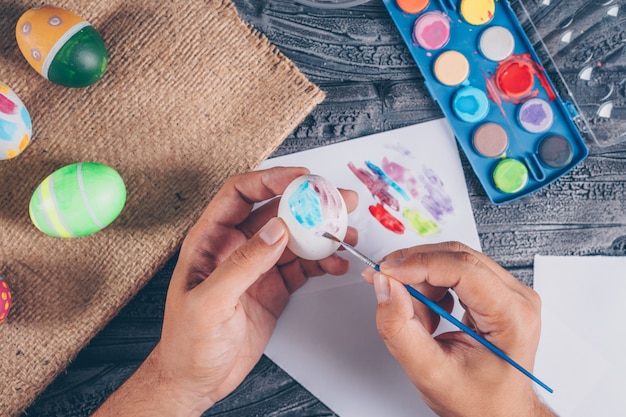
column 401, row 175
column 424, row 206
column 400, row 149
column 378, row 188
column 385, row 178
column 436, row 200
column 388, row 220
column 419, row 223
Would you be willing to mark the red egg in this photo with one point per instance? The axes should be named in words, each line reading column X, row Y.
column 5, row 300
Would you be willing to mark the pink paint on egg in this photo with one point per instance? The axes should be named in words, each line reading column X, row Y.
column 6, row 105
column 431, row 31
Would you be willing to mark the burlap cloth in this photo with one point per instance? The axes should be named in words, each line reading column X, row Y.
column 191, row 96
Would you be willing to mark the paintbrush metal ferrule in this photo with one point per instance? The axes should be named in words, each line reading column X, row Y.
column 443, row 313
column 353, row 251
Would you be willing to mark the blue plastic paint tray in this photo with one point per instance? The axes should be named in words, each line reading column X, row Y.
column 508, row 117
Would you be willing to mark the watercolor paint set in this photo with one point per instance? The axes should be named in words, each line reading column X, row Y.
column 507, row 116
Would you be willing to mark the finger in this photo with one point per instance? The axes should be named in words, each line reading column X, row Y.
column 298, row 271
column 246, row 264
column 259, row 217
column 406, row 338
column 233, row 202
column 399, row 256
column 468, row 320
column 477, row 285
column 293, row 275
column 333, row 265
column 429, row 319
column 454, row 246
column 351, row 238
column 351, row 198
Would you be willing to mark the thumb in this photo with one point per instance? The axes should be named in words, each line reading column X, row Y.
column 247, row 263
column 403, row 333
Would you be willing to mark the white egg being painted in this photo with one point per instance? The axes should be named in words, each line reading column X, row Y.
column 310, row 206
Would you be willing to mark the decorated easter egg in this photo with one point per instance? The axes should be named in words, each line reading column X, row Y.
column 15, row 123
column 5, row 300
column 310, row 206
column 61, row 46
column 78, row 200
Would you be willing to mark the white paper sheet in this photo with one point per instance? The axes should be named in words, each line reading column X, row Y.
column 326, row 338
column 582, row 349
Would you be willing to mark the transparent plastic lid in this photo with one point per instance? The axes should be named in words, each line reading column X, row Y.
column 581, row 45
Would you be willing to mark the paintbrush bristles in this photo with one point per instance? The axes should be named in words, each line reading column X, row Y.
column 331, row 237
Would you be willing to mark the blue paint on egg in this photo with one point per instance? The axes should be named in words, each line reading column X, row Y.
column 26, row 118
column 7, row 130
column 305, row 206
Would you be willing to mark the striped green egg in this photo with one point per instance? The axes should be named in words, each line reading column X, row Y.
column 78, row 200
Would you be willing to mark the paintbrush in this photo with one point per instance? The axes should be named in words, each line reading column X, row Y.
column 443, row 313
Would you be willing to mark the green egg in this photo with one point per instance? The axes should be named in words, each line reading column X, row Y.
column 78, row 200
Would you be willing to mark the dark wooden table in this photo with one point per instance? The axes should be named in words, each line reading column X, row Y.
column 372, row 85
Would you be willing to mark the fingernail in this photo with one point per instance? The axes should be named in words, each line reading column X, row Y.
column 381, row 287
column 392, row 263
column 272, row 232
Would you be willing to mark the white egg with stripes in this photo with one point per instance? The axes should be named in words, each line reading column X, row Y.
column 78, row 200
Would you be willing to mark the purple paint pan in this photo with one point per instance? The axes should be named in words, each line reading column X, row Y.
column 536, row 115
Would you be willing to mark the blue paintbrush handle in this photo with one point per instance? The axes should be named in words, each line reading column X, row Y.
column 443, row 313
